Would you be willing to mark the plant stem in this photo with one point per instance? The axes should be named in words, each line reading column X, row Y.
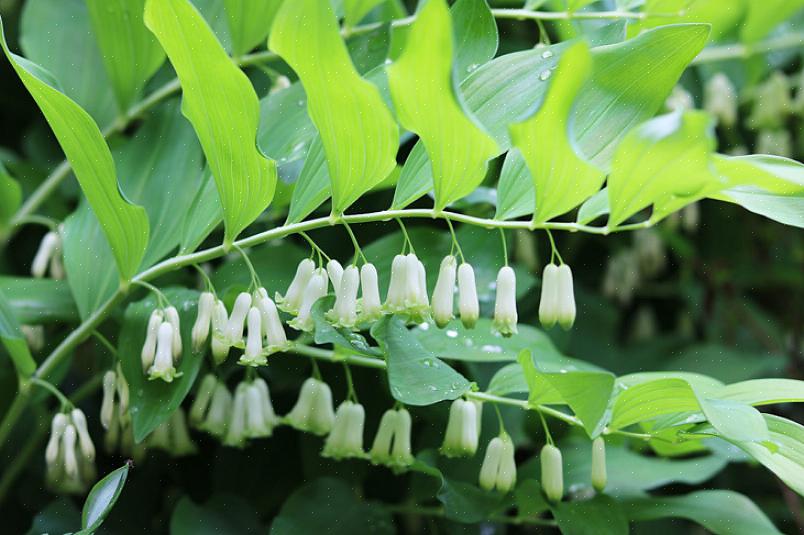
column 742, row 51
column 527, row 14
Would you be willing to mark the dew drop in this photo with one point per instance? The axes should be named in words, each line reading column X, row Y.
column 451, row 333
column 300, row 103
column 545, row 75
column 472, row 67
column 547, row 54
column 424, row 326
column 489, row 348
column 427, row 363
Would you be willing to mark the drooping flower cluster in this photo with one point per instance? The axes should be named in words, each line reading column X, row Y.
column 70, row 453
column 557, row 302
column 115, row 417
column 391, row 445
column 252, row 413
column 49, row 255
column 345, row 440
column 313, row 411
column 211, row 410
column 463, row 429
column 498, row 471
column 162, row 349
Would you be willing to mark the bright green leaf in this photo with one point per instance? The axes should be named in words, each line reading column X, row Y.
column 14, row 341
column 359, row 135
column 204, row 215
column 311, row 189
column 220, row 102
column 249, row 22
column 764, row 391
column 763, row 16
column 427, row 102
column 651, row 399
column 102, row 497
column 130, row 52
column 124, row 224
column 515, row 191
column 786, row 209
column 562, row 179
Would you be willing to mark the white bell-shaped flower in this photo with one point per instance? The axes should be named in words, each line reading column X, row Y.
column 203, row 397
column 335, row 273
column 107, row 411
column 346, row 438
column 566, row 298
column 270, row 417
column 552, row 473
column 48, row 248
column 203, row 320
column 468, row 304
column 274, row 332
column 344, row 312
column 149, row 347
column 57, row 270
column 172, row 317
column 444, row 291
column 721, row 100
column 417, row 303
column 460, row 439
column 68, row 442
column 163, row 362
column 316, row 289
column 237, row 319
column 122, row 390
column 505, row 316
column 220, row 345
column 391, row 446
column 371, row 306
column 498, row 471
column 53, row 448
column 219, row 412
column 236, row 432
column 292, row 299
column 313, row 411
column 253, row 355
column 548, row 304
column 395, row 299
column 599, row 464
column 86, row 447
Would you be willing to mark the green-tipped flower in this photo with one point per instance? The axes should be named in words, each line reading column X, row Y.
column 252, row 413
column 599, row 464
column 566, row 298
column 395, row 299
column 253, row 354
column 548, row 304
column 162, row 367
column 460, row 439
column 499, row 467
column 203, row 397
column 217, row 417
column 468, row 304
column 313, row 411
column 203, row 320
column 292, row 299
column 552, row 473
column 172, row 317
column 371, row 306
column 391, row 445
column 505, row 315
column 149, row 347
column 315, row 290
column 346, row 438
column 275, row 337
column 172, row 436
column 344, row 312
column 444, row 292
column 237, row 319
column 220, row 345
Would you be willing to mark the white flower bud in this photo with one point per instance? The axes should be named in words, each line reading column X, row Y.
column 149, row 347
column 253, row 353
column 444, row 292
column 163, row 363
column 47, row 248
column 491, row 464
column 237, row 320
column 346, row 438
column 57, row 428
column 180, row 442
column 395, row 300
column 172, row 317
column 203, row 396
column 159, row 439
column 566, row 298
column 316, row 289
column 219, row 413
column 462, row 434
column 268, row 413
column 400, row 453
column 68, row 447
column 293, row 297
column 380, row 452
column 107, row 404
column 720, row 99
column 599, row 464
column 236, row 434
column 371, row 304
column 313, row 410
column 122, row 391
column 335, row 272
column 275, row 336
column 256, row 421
column 505, row 316
column 220, row 348
column 206, row 303
column 548, row 304
column 468, row 304
column 552, row 473
column 344, row 312
column 84, row 440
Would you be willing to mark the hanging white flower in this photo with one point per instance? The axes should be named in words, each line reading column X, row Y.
column 236, row 432
column 416, row 302
column 395, row 299
column 313, row 411
column 217, row 417
column 498, row 471
column 721, row 100
column 70, row 453
column 566, row 298
column 316, row 289
column 468, row 304
column 292, row 299
column 391, row 446
column 172, row 436
column 237, row 319
column 460, row 439
column 344, row 312
column 203, row 320
column 505, row 315
column 335, row 272
column 220, row 346
column 162, row 367
column 444, row 291
column 203, row 397
column 87, row 448
column 371, row 306
column 548, row 304
column 49, row 247
column 269, row 416
column 149, row 347
column 253, row 355
column 34, row 336
column 599, row 464
column 275, row 337
column 552, row 473
column 107, row 403
column 346, row 438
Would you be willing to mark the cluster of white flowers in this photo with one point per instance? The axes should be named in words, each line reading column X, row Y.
column 162, row 349
column 70, row 453
column 49, row 255
column 557, row 302
column 391, row 445
column 115, row 417
column 721, row 100
column 463, row 428
column 626, row 270
column 498, row 471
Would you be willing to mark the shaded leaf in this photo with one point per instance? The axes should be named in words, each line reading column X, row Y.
column 601, row 515
column 102, row 497
column 10, row 196
column 326, row 333
column 476, row 37
column 38, row 301
column 14, row 341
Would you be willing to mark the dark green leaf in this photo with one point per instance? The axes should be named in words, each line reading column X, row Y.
column 476, row 36
column 102, row 497
column 601, row 515
column 38, row 301
column 14, row 341
column 223, row 513
column 10, row 196
column 325, row 333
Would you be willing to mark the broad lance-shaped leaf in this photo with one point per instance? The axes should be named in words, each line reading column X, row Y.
column 102, row 497
column 357, row 130
column 130, row 52
column 221, row 104
column 427, row 102
column 14, row 342
column 124, row 224
column 562, row 179
column 249, row 22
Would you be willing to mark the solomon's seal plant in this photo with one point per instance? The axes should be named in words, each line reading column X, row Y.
column 297, row 251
